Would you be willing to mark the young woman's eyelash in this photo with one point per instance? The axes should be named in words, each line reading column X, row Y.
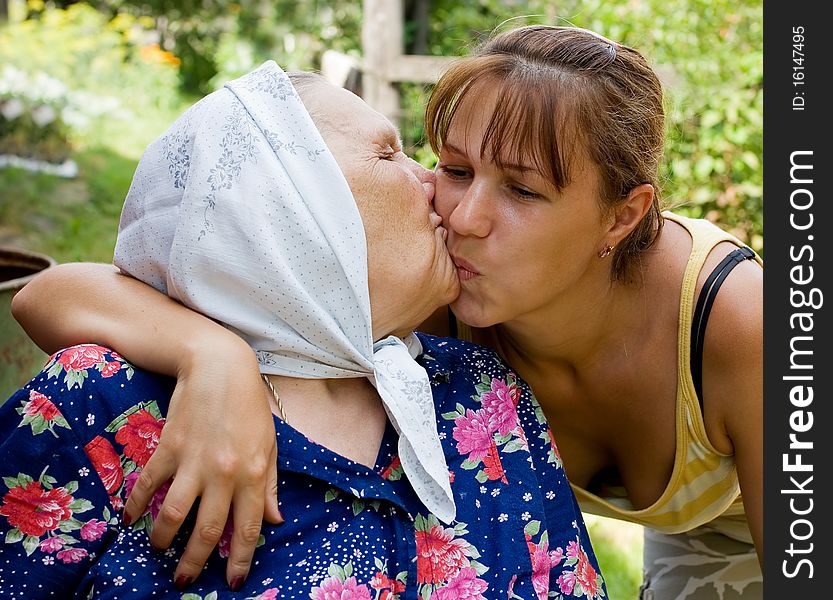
column 453, row 172
column 524, row 192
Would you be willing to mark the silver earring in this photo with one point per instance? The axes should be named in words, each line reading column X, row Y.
column 606, row 252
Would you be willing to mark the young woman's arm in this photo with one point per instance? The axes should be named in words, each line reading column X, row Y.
column 219, row 440
column 733, row 374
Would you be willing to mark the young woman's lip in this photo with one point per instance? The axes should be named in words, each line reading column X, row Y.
column 462, row 264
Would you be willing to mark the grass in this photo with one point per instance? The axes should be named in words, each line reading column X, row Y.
column 618, row 547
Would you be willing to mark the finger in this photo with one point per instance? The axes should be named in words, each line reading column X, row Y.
column 271, row 511
column 210, row 525
column 247, row 508
column 177, row 504
column 158, row 471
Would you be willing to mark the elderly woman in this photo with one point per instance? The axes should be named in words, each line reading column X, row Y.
column 410, row 465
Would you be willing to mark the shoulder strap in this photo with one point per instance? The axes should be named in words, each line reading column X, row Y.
column 703, row 308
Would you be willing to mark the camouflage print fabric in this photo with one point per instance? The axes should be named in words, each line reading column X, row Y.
column 699, row 565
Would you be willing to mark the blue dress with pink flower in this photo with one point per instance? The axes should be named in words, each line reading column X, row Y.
column 73, row 440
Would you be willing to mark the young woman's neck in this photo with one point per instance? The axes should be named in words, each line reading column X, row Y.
column 577, row 331
column 343, row 415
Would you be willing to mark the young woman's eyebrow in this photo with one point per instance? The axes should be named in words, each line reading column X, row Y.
column 508, row 166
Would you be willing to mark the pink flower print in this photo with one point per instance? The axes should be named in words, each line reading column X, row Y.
column 541, row 565
column 40, row 405
column 35, row 510
column 158, row 498
column 51, row 544
column 93, row 529
column 500, row 405
column 387, row 586
column 439, row 554
column 465, row 585
column 106, row 462
column 270, row 594
column 129, row 482
column 492, row 465
column 110, row 369
column 573, row 549
column 333, row 588
column 553, row 447
column 473, row 434
column 224, row 546
column 140, row 436
column 71, row 555
column 79, row 358
column 584, row 575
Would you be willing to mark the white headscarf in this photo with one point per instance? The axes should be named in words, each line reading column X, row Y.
column 241, row 212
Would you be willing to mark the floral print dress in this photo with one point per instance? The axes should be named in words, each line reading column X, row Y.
column 74, row 439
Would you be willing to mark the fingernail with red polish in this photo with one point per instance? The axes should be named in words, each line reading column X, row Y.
column 126, row 519
column 182, row 582
column 236, row 583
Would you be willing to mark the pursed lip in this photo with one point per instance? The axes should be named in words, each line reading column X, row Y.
column 466, row 269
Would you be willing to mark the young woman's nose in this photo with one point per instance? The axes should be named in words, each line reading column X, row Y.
column 472, row 215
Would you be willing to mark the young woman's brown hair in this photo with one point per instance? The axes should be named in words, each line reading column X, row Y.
column 564, row 91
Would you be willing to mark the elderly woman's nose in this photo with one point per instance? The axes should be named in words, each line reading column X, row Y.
column 424, row 175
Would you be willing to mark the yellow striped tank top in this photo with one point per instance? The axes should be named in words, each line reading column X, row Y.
column 703, row 487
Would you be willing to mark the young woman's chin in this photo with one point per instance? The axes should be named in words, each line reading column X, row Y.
column 471, row 310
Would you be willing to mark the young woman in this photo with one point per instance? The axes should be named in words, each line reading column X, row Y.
column 639, row 331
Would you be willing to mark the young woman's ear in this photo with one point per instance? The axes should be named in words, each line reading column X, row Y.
column 630, row 212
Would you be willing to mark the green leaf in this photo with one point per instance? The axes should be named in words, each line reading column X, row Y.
column 70, row 524
column 211, row 596
column 70, row 487
column 80, row 505
column 348, row 569
column 336, row 571
column 39, row 425
column 60, row 421
column 450, row 416
column 55, row 370
column 478, row 567
column 14, row 535
column 532, row 528
column 481, row 476
column 30, row 544
column 469, row 464
column 514, row 446
column 153, row 408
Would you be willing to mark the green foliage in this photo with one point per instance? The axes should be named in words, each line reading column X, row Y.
column 85, row 50
column 709, row 54
column 217, row 41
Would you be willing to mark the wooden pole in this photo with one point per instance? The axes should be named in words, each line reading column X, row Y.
column 382, row 33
